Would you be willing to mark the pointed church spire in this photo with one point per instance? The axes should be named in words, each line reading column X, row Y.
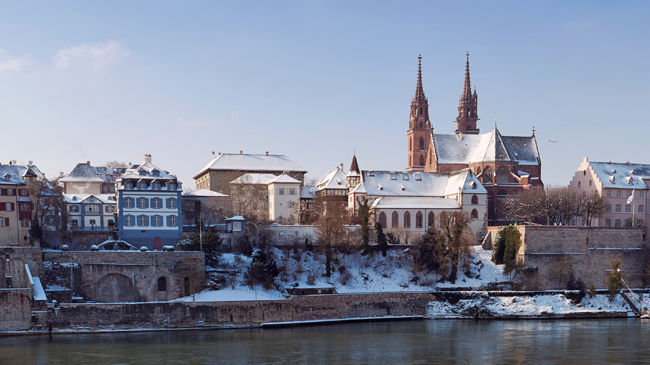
column 354, row 166
column 419, row 90
column 467, row 106
column 419, row 132
column 467, row 89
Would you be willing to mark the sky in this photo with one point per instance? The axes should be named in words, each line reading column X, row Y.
column 316, row 80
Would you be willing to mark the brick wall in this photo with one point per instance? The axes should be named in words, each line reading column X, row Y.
column 15, row 309
column 550, row 254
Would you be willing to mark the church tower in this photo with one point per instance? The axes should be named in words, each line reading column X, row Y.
column 467, row 107
column 419, row 132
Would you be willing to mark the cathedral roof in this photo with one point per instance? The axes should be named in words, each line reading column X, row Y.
column 492, row 146
column 420, row 184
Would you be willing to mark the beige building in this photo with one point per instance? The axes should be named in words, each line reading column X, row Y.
column 226, row 167
column 17, row 202
column 616, row 183
column 88, row 179
column 266, row 196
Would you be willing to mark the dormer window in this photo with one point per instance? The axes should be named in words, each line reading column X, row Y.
column 142, row 173
column 628, row 180
column 380, row 187
column 402, row 187
column 417, row 176
column 405, row 177
column 155, row 172
column 393, row 176
column 612, row 179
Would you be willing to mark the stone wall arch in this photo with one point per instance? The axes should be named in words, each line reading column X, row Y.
column 112, row 288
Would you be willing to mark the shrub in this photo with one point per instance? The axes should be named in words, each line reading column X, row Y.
column 263, row 270
column 614, row 280
column 506, row 248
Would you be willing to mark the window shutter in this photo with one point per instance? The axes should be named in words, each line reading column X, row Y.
column 167, row 221
column 13, row 207
column 6, row 222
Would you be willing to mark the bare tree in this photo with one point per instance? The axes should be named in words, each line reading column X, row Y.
column 331, row 229
column 249, row 199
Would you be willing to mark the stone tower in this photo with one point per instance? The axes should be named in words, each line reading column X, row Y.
column 354, row 176
column 419, row 132
column 467, row 107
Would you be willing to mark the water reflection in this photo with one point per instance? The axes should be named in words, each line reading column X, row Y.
column 417, row 342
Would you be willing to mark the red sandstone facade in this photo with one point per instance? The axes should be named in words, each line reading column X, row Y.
column 505, row 165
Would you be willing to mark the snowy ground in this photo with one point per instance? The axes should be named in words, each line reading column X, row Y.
column 528, row 306
column 351, row 273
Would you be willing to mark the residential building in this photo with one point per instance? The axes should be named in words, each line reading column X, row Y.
column 615, row 182
column 17, row 200
column 226, row 167
column 90, row 212
column 267, row 197
column 505, row 165
column 204, row 207
column 149, row 206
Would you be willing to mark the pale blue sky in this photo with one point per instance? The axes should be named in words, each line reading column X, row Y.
column 315, row 79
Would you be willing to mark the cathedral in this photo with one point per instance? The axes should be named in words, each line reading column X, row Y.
column 505, row 165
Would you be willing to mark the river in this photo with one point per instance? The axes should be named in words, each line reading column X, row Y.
column 399, row 342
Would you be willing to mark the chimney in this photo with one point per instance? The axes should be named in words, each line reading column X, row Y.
column 88, row 163
column 267, row 153
column 213, row 153
column 147, row 159
column 241, row 152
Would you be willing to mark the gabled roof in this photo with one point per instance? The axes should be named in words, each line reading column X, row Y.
column 283, row 179
column 334, row 179
column 250, row 162
column 492, row 146
column 622, row 175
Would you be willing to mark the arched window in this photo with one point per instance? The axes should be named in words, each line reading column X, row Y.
column 394, row 220
column 410, row 144
column 407, row 220
column 474, row 214
column 421, row 160
column 421, row 144
column 418, row 220
column 431, row 220
column 487, row 175
column 382, row 219
column 474, row 199
column 162, row 283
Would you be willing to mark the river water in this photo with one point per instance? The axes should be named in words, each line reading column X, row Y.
column 606, row 341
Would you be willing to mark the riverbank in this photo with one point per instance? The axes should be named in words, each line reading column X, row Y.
column 319, row 309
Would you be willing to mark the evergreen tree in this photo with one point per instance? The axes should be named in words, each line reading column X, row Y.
column 382, row 243
column 614, row 280
column 364, row 214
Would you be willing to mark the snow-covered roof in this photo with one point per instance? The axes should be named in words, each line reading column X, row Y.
column 492, row 146
column 85, row 172
column 251, row 178
column 622, row 175
column 87, row 198
column 359, row 189
column 406, row 202
column 203, row 193
column 420, row 184
column 283, row 179
column 251, row 162
column 334, row 179
column 147, row 171
column 308, row 192
column 15, row 174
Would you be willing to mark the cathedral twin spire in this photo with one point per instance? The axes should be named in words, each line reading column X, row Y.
column 467, row 107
